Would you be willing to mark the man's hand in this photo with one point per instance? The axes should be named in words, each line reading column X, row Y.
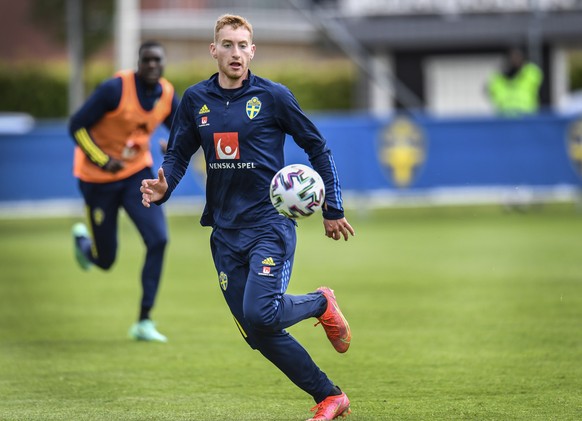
column 154, row 189
column 335, row 228
column 113, row 165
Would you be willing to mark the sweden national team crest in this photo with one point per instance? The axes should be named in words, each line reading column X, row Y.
column 223, row 280
column 253, row 107
column 574, row 145
column 98, row 216
column 402, row 150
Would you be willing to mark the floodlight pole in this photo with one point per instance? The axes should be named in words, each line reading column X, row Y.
column 127, row 33
column 534, row 33
column 75, row 52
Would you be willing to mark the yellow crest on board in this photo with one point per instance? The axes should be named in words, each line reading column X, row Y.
column 402, row 150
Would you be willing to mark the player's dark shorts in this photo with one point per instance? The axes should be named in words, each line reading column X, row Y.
column 103, row 202
column 254, row 266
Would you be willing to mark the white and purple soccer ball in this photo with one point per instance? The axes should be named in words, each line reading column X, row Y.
column 297, row 191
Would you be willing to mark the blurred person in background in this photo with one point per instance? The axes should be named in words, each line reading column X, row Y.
column 514, row 91
column 112, row 131
column 240, row 121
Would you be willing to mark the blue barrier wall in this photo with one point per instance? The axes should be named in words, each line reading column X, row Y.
column 372, row 154
column 458, row 152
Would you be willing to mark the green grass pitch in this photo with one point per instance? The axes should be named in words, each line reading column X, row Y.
column 467, row 313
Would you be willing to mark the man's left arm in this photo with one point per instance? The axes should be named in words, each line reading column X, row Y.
column 308, row 137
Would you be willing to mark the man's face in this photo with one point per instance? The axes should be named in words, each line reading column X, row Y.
column 516, row 58
column 150, row 66
column 233, row 51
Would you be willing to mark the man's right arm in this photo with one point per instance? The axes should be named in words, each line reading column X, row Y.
column 183, row 142
column 104, row 99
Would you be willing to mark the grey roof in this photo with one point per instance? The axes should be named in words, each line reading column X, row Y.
column 468, row 30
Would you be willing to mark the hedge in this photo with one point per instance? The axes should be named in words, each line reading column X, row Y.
column 42, row 91
column 34, row 91
column 576, row 79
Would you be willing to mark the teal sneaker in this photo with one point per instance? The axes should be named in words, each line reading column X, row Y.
column 79, row 231
column 145, row 330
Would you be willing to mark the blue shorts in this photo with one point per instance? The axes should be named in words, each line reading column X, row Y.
column 103, row 202
column 254, row 266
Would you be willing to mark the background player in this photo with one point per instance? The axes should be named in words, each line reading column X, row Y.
column 113, row 131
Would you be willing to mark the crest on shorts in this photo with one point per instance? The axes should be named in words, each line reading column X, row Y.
column 223, row 280
column 98, row 216
column 253, row 107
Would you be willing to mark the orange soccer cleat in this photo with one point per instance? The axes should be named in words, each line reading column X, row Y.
column 334, row 323
column 331, row 407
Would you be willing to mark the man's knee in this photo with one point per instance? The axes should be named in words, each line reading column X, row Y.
column 260, row 319
column 157, row 243
column 104, row 262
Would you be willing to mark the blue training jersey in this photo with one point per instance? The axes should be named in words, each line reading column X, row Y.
column 242, row 134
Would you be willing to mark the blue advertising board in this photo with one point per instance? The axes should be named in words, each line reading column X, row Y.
column 395, row 155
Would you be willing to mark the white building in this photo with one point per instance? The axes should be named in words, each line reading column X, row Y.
column 430, row 54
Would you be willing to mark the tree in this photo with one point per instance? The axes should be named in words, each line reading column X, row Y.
column 97, row 21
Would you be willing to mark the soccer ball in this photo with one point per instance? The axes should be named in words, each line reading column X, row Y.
column 297, row 191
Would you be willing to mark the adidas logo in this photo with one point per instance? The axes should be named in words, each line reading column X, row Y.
column 204, row 110
column 268, row 261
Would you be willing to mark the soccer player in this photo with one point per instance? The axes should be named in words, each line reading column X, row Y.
column 240, row 121
column 112, row 131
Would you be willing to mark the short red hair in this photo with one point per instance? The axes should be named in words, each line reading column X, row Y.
column 234, row 21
